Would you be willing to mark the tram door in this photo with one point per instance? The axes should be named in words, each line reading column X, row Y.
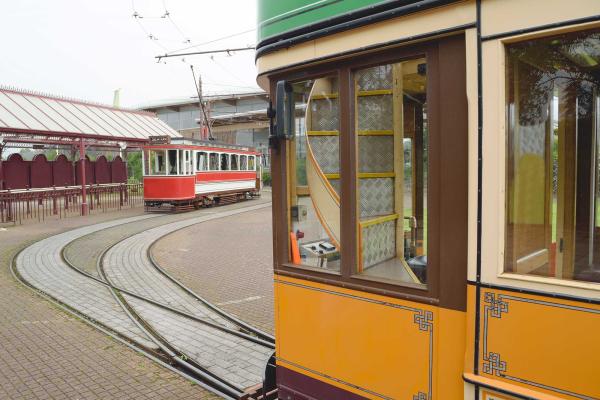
column 554, row 172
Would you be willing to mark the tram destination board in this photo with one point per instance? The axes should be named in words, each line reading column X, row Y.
column 162, row 139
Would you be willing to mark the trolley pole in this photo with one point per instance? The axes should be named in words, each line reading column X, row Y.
column 1, row 171
column 84, row 205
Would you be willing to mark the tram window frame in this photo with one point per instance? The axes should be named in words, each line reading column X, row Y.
column 253, row 168
column 216, row 163
column 169, row 152
column 234, row 162
column 243, row 162
column 223, row 159
column 148, row 160
column 202, row 161
column 445, row 58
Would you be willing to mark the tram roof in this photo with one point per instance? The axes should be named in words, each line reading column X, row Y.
column 23, row 112
column 208, row 143
column 284, row 24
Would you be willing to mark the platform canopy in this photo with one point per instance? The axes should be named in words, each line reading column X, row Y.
column 32, row 117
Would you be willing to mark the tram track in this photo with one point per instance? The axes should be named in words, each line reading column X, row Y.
column 172, row 350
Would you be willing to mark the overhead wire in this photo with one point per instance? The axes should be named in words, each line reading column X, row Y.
column 212, row 41
column 167, row 13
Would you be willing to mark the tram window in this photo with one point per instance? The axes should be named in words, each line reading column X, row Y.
column 392, row 149
column 172, row 156
column 314, row 233
column 214, row 161
column 251, row 163
column 224, row 162
column 553, row 157
column 234, row 162
column 243, row 163
column 185, row 162
column 201, row 161
column 157, row 162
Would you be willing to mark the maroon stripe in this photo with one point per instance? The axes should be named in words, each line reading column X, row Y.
column 293, row 385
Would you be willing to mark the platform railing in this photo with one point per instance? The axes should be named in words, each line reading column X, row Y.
column 21, row 205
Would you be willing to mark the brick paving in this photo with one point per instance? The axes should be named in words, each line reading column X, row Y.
column 232, row 269
column 45, row 353
column 41, row 265
column 126, row 265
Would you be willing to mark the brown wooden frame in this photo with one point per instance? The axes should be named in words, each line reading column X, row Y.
column 447, row 183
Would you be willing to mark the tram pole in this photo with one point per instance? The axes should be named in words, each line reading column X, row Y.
column 84, row 205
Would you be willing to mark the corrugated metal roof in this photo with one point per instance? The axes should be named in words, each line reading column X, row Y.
column 27, row 111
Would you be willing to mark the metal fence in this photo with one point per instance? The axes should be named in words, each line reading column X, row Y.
column 18, row 206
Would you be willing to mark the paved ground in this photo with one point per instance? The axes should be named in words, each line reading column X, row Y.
column 232, row 264
column 76, row 361
column 45, row 353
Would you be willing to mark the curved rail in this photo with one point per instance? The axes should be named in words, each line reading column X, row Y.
column 164, row 351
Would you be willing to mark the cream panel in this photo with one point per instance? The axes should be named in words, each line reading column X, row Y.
column 382, row 32
column 471, row 61
column 494, row 187
column 498, row 16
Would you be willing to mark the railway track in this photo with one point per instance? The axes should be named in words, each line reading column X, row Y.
column 164, row 319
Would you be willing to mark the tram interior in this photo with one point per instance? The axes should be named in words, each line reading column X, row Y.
column 553, row 168
column 391, row 129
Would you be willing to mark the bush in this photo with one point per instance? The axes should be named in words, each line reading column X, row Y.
column 266, row 178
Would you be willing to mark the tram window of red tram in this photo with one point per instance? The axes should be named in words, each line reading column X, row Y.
column 234, row 162
column 201, row 161
column 251, row 163
column 214, row 161
column 172, row 162
column 224, row 162
column 243, row 163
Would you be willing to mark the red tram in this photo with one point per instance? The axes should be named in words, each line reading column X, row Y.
column 182, row 174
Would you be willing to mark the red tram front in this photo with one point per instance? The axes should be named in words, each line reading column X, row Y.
column 184, row 174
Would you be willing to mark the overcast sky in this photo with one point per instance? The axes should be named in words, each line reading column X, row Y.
column 86, row 49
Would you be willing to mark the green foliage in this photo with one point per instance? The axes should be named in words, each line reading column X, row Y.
column 266, row 178
column 134, row 165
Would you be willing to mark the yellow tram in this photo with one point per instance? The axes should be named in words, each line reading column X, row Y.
column 436, row 197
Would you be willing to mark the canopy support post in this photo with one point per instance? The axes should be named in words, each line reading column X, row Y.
column 84, row 205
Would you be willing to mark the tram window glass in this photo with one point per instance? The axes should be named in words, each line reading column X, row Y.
column 392, row 148
column 314, row 162
column 185, row 162
column 201, row 161
column 234, row 162
column 157, row 162
column 243, row 163
column 214, row 161
column 553, row 157
column 251, row 163
column 172, row 156
column 224, row 162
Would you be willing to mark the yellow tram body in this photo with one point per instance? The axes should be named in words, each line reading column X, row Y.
column 436, row 197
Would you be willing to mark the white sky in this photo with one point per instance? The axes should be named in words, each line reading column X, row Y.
column 87, row 48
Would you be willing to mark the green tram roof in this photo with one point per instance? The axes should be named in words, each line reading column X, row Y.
column 285, row 23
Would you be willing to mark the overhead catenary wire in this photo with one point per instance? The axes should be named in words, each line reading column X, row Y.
column 167, row 14
column 212, row 41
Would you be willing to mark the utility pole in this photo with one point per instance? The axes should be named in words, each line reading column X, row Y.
column 204, row 120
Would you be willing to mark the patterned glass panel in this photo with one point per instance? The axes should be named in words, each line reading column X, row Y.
column 375, row 153
column 375, row 113
column 375, row 78
column 392, row 149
